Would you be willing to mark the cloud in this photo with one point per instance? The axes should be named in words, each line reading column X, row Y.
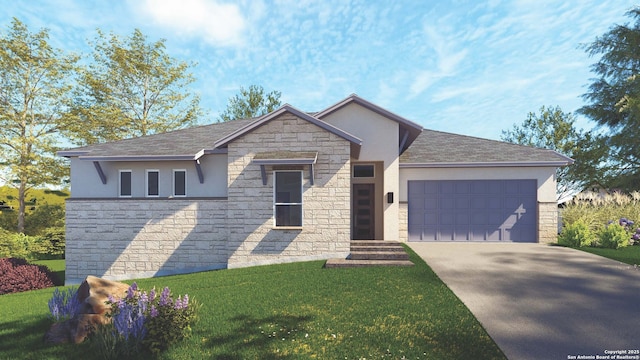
column 216, row 23
column 447, row 59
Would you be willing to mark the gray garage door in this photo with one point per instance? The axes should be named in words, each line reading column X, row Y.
column 473, row 210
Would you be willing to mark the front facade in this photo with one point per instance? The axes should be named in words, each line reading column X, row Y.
column 293, row 186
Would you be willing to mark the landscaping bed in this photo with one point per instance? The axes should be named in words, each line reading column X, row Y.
column 290, row 311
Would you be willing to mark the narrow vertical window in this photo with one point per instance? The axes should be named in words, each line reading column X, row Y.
column 153, row 183
column 180, row 182
column 125, row 183
column 287, row 196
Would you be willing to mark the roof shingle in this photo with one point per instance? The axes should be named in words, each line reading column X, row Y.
column 436, row 147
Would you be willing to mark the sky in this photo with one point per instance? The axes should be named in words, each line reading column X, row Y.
column 468, row 67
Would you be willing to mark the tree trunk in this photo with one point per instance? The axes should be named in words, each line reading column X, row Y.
column 22, row 193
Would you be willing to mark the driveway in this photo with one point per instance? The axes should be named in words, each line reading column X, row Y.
column 543, row 302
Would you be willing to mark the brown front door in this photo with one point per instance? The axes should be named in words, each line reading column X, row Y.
column 363, row 211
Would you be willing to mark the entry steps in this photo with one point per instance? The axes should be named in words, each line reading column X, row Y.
column 373, row 253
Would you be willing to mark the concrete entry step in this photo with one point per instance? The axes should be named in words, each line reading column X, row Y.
column 379, row 255
column 378, row 248
column 373, row 253
column 375, row 243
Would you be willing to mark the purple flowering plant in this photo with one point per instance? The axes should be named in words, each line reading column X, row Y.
column 147, row 321
column 64, row 304
column 628, row 226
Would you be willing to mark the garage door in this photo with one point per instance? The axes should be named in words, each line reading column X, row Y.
column 473, row 210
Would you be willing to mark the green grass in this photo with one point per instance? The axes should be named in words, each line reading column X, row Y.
column 290, row 311
column 57, row 266
column 629, row 254
column 41, row 196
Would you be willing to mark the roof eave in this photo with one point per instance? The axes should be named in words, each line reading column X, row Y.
column 71, row 153
column 138, row 158
column 487, row 164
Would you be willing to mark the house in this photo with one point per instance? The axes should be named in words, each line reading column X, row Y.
column 293, row 186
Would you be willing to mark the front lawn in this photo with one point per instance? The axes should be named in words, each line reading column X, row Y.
column 290, row 311
column 56, row 266
column 629, row 254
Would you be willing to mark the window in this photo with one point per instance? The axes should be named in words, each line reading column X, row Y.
column 180, row 182
column 124, row 187
column 153, row 185
column 363, row 171
column 287, row 198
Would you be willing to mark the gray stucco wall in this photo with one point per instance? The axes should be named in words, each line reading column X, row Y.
column 85, row 182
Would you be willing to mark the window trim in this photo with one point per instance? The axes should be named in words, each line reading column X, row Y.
column 301, row 203
column 373, row 169
column 120, row 172
column 174, row 182
column 146, row 182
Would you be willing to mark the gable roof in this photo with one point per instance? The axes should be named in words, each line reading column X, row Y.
column 224, row 141
column 441, row 149
column 409, row 130
column 184, row 144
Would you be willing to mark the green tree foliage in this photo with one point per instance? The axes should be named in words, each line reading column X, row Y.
column 554, row 129
column 614, row 97
column 250, row 103
column 133, row 88
column 35, row 97
column 44, row 217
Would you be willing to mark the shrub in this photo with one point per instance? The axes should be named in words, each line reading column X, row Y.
column 44, row 217
column 614, row 236
column 576, row 234
column 49, row 245
column 635, row 238
column 17, row 275
column 12, row 245
column 144, row 321
column 596, row 209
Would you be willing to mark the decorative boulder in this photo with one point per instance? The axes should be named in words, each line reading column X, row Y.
column 92, row 295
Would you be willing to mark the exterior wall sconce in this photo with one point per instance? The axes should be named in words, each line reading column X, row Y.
column 389, row 198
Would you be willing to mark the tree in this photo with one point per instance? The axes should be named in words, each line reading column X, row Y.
column 133, row 88
column 35, row 96
column 555, row 130
column 614, row 97
column 251, row 103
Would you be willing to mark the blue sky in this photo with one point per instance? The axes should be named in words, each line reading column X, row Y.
column 467, row 67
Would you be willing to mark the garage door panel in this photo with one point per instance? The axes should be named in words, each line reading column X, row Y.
column 447, row 219
column 430, row 218
column 463, row 219
column 447, row 203
column 494, row 203
column 462, row 187
column 473, row 210
column 479, row 218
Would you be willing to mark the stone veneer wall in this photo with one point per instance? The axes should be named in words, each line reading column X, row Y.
column 134, row 238
column 403, row 221
column 547, row 222
column 326, row 205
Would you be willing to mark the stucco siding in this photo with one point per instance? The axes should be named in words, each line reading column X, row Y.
column 379, row 143
column 325, row 232
column 86, row 183
column 125, row 239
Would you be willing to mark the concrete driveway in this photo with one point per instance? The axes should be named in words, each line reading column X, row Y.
column 543, row 302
